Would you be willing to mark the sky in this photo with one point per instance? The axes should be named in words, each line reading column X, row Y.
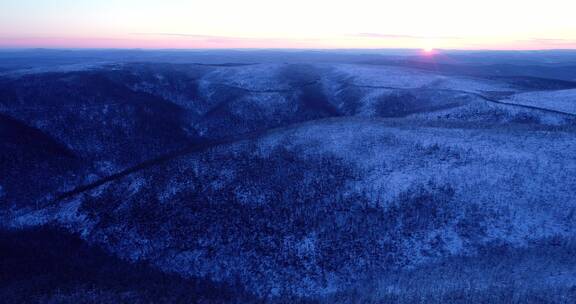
column 317, row 24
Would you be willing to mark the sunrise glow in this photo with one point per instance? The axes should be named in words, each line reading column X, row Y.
column 450, row 24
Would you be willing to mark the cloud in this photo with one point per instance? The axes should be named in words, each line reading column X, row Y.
column 552, row 40
column 231, row 38
column 183, row 35
column 215, row 39
column 232, row 41
column 395, row 36
column 549, row 42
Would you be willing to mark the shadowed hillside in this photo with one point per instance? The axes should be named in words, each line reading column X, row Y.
column 273, row 178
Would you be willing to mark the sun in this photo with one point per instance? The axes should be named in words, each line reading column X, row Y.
column 428, row 50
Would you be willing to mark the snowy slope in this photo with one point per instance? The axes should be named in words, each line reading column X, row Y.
column 319, row 181
column 409, row 194
column 562, row 100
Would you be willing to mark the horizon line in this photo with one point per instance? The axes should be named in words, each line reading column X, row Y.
column 4, row 48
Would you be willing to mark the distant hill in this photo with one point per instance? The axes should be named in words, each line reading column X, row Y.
column 331, row 181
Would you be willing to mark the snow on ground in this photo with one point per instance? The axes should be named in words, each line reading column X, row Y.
column 404, row 78
column 562, row 100
column 259, row 77
column 395, row 157
column 77, row 67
